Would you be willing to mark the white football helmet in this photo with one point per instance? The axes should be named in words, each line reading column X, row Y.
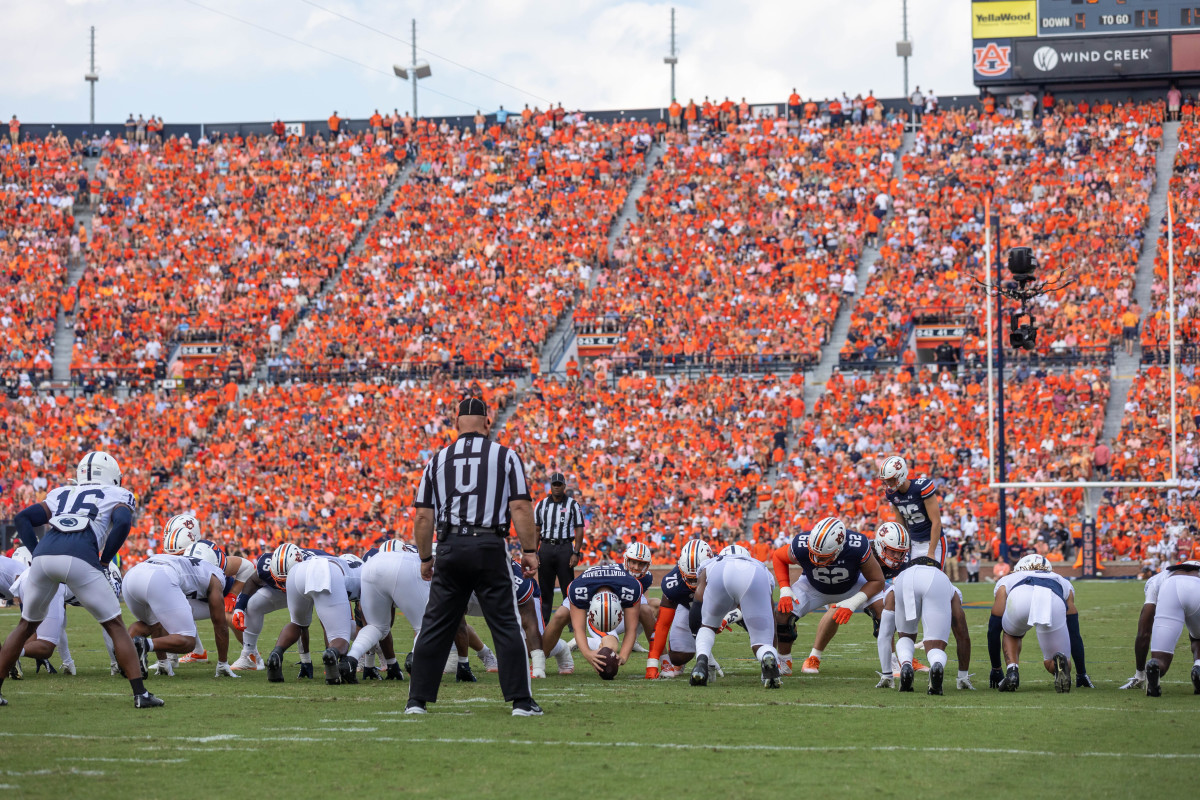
column 826, row 540
column 735, row 550
column 893, row 472
column 604, row 612
column 207, row 552
column 892, row 544
column 1033, row 562
column 694, row 553
column 391, row 546
column 98, row 467
column 637, row 552
column 182, row 531
column 350, row 558
column 286, row 556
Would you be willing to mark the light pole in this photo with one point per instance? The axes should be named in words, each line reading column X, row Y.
column 91, row 77
column 414, row 71
column 904, row 46
column 673, row 58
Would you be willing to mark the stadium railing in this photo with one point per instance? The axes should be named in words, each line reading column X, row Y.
column 340, row 372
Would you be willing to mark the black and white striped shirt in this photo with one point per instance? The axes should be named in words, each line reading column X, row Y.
column 557, row 521
column 471, row 482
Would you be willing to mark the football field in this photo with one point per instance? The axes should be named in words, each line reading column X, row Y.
column 833, row 734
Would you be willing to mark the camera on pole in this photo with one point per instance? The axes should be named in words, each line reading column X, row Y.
column 1024, row 288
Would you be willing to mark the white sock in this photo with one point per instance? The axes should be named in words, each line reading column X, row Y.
column 64, row 651
column 463, row 660
column 815, row 653
column 199, row 648
column 1141, row 673
column 705, row 639
column 149, row 644
column 250, row 641
column 559, row 649
column 962, row 674
column 904, row 650
column 936, row 657
column 306, row 658
column 483, row 652
column 887, row 627
column 538, row 659
column 1196, row 663
column 1011, row 666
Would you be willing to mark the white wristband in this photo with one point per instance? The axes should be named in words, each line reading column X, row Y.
column 651, row 663
column 855, row 602
column 787, row 592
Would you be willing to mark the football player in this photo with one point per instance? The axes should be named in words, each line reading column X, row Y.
column 260, row 596
column 916, row 506
column 1034, row 596
column 601, row 578
column 181, row 532
column 636, row 561
column 51, row 633
column 391, row 579
column 838, row 568
column 672, row 631
column 734, row 580
column 891, row 545
column 1178, row 605
column 158, row 591
column 313, row 582
column 1141, row 644
column 88, row 522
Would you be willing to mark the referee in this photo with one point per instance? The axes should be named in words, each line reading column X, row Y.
column 559, row 520
column 472, row 491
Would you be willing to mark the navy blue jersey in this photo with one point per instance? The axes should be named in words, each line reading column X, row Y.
column 910, row 504
column 605, row 576
column 675, row 591
column 646, row 579
column 840, row 576
column 525, row 588
column 367, row 556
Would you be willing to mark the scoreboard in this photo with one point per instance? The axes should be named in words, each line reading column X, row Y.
column 1098, row 17
column 1035, row 42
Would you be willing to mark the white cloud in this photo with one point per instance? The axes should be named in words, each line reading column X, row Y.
column 189, row 64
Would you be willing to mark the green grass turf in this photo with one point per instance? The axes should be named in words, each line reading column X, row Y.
column 833, row 734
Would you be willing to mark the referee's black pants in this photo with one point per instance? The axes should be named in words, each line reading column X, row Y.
column 466, row 564
column 554, row 563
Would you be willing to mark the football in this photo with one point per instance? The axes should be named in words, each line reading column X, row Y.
column 611, row 663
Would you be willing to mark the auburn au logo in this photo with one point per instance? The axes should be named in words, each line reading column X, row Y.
column 993, row 60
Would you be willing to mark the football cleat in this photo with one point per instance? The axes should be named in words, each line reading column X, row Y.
column 194, row 658
column 537, row 672
column 394, row 673
column 275, row 667
column 1012, row 680
column 16, row 673
column 770, row 672
column 1196, row 679
column 1082, row 681
column 3, row 702
column 918, row 666
column 566, row 664
column 906, row 677
column 669, row 670
column 415, row 707
column 1153, row 676
column 115, row 669
column 700, row 672
column 1138, row 681
column 936, row 673
column 1062, row 674
column 811, row 666
column 139, row 644
column 885, row 681
column 785, row 665
column 526, row 708
column 464, row 673
column 68, row 668
column 638, row 648
column 371, row 674
column 250, row 660
column 306, row 671
column 965, row 683
column 572, row 645
column 489, row 662
column 349, row 668
column 163, row 667
column 333, row 673
column 147, row 700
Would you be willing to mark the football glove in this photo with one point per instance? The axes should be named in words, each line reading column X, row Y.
column 306, row 671
column 786, row 604
column 230, row 603
column 43, row 662
column 238, row 621
column 394, row 673
column 1082, row 681
column 223, row 671
column 994, row 678
column 842, row 615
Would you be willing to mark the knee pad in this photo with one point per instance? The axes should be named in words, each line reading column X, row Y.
column 786, row 631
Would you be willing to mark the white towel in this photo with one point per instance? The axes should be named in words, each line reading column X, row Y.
column 318, row 579
column 910, row 601
column 1041, row 606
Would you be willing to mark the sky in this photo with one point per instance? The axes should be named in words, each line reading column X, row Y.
column 189, row 61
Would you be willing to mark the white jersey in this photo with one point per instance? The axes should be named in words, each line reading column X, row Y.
column 9, row 570
column 74, row 508
column 1014, row 579
column 353, row 575
column 1153, row 585
column 738, row 557
column 195, row 574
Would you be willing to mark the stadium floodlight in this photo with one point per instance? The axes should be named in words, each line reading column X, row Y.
column 414, row 71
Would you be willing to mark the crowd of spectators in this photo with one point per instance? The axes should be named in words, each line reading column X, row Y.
column 217, row 240
column 1073, row 184
column 746, row 241
column 485, row 246
column 40, row 180
column 657, row 460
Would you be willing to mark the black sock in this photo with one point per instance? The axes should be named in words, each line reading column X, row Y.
column 138, row 686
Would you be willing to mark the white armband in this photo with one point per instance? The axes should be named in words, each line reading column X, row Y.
column 786, row 591
column 244, row 571
column 855, row 602
column 651, row 663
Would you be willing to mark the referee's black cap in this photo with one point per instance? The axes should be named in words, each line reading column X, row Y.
column 472, row 407
column 558, row 477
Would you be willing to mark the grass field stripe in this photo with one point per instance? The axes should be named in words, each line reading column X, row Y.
column 126, row 760
column 810, row 749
